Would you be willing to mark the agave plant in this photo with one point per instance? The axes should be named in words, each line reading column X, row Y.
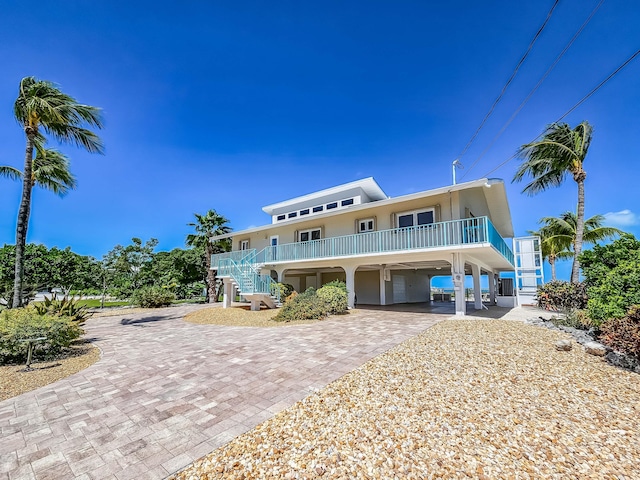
column 63, row 307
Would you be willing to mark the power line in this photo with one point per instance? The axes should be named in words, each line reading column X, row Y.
column 582, row 100
column 506, row 85
column 528, row 97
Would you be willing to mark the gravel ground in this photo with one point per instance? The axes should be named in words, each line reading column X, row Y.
column 486, row 399
column 15, row 381
column 239, row 316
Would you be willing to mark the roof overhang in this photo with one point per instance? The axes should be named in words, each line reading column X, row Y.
column 368, row 185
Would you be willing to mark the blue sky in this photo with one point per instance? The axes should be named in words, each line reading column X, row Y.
column 236, row 105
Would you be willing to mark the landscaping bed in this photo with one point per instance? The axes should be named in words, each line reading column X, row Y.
column 14, row 380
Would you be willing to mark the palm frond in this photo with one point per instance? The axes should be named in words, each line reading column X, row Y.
column 10, row 172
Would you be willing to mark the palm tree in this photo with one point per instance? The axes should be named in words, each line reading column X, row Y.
column 42, row 106
column 565, row 229
column 552, row 247
column 561, row 151
column 209, row 225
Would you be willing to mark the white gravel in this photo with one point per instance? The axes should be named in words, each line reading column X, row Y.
column 467, row 398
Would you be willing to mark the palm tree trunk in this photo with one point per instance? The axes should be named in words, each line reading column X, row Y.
column 23, row 218
column 211, row 276
column 552, row 262
column 577, row 247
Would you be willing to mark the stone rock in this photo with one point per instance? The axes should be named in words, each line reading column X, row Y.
column 595, row 348
column 563, row 345
column 623, row 361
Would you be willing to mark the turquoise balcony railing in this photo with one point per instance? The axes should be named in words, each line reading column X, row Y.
column 470, row 231
column 454, row 233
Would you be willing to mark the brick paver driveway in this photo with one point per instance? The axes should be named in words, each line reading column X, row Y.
column 166, row 392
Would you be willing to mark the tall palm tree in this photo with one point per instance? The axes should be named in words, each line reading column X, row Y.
column 552, row 247
column 42, row 107
column 561, row 152
column 208, row 225
column 564, row 229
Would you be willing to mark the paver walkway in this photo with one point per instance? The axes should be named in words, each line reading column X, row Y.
column 166, row 392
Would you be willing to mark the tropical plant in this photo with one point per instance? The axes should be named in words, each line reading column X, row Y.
column 16, row 325
column 623, row 334
column 558, row 236
column 43, row 107
column 63, row 307
column 152, row 297
column 612, row 276
column 561, row 152
column 334, row 297
column 206, row 226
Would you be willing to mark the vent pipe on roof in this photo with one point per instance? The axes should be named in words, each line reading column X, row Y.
column 456, row 164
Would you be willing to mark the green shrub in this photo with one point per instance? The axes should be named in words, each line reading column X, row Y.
column 338, row 284
column 623, row 334
column 334, row 297
column 152, row 297
column 612, row 276
column 576, row 319
column 63, row 307
column 285, row 290
column 562, row 296
column 23, row 323
column 305, row 306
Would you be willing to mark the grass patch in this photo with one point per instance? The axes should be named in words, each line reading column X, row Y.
column 240, row 316
column 95, row 303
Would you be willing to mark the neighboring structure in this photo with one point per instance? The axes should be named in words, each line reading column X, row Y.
column 387, row 250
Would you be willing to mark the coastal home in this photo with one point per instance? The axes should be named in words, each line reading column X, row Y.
column 387, row 250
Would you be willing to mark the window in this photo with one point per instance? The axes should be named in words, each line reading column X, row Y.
column 306, row 235
column 416, row 218
column 244, row 245
column 349, row 201
column 293, row 214
column 332, row 205
column 304, row 212
column 318, row 209
column 366, row 225
column 281, row 217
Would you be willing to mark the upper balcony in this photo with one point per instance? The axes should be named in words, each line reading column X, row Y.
column 467, row 233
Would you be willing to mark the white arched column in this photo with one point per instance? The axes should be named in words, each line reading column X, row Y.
column 350, row 274
column 493, row 280
column 477, row 286
column 227, row 297
column 457, row 273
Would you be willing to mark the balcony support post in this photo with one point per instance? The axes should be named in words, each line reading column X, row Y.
column 477, row 287
column 457, row 272
column 228, row 293
column 493, row 280
column 383, row 287
column 350, row 273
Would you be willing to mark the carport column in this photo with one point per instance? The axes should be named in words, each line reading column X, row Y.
column 350, row 273
column 477, row 286
column 428, row 288
column 457, row 274
column 280, row 272
column 383, row 287
column 493, row 279
column 228, row 293
column 318, row 280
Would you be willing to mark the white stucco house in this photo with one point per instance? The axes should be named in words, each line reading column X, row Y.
column 387, row 250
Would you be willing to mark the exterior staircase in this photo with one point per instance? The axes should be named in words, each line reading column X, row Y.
column 243, row 270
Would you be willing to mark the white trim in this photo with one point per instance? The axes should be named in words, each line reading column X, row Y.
column 365, row 221
column 415, row 215
column 310, row 232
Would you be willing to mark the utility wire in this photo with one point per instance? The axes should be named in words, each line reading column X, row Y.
column 542, row 79
column 582, row 100
column 506, row 85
